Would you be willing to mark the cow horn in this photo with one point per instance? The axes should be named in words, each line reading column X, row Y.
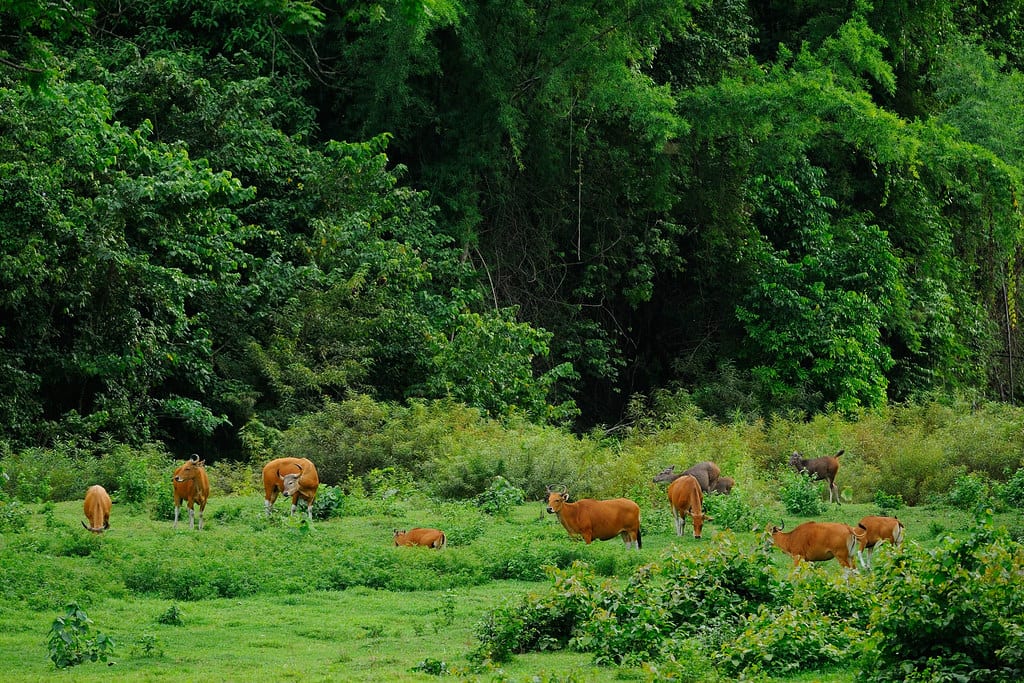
column 194, row 458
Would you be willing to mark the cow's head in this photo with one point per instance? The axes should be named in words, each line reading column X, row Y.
column 189, row 469
column 398, row 535
column 796, row 460
column 667, row 474
column 557, row 498
column 290, row 482
column 698, row 523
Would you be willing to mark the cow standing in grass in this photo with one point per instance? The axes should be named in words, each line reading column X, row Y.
column 706, row 473
column 687, row 499
column 818, row 542
column 877, row 529
column 97, row 509
column 600, row 519
column 191, row 484
column 823, row 468
column 295, row 477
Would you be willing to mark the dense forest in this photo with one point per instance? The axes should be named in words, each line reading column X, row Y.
column 218, row 215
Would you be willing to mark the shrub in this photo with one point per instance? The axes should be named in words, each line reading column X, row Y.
column 13, row 516
column 69, row 643
column 500, row 497
column 970, row 492
column 1013, row 491
column 887, row 503
column 953, row 609
column 801, row 495
column 328, row 502
column 171, row 617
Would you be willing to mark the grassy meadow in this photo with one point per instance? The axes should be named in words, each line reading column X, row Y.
column 257, row 600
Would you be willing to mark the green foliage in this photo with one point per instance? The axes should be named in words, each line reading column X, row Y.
column 13, row 515
column 951, row 609
column 171, row 617
column 499, row 497
column 801, row 495
column 970, row 492
column 1013, row 492
column 69, row 641
column 888, row 503
column 328, row 503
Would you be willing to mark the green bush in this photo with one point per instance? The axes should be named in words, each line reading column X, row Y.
column 954, row 609
column 69, row 643
column 13, row 516
column 801, row 495
column 328, row 502
column 500, row 497
column 1013, row 491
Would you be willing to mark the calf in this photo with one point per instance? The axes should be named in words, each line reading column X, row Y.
column 876, row 530
column 191, row 483
column 823, row 468
column 818, row 542
column 706, row 473
column 295, row 477
column 685, row 495
column 97, row 509
column 600, row 519
column 723, row 485
column 430, row 538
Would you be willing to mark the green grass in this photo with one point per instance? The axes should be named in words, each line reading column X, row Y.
column 263, row 601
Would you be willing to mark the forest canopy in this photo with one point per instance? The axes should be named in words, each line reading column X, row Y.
column 217, row 217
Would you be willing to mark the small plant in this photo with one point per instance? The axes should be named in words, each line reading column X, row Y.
column 446, row 611
column 69, row 643
column 888, row 502
column 328, row 502
column 172, row 617
column 500, row 497
column 1013, row 491
column 433, row 667
column 969, row 492
column 148, row 645
column 13, row 516
column 801, row 495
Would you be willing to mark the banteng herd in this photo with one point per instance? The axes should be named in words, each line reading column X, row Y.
column 587, row 518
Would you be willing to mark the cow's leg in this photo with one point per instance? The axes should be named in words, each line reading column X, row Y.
column 268, row 505
column 201, row 509
column 191, row 518
column 177, row 509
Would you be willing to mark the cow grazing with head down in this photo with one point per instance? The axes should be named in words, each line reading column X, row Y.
column 191, row 484
column 428, row 538
column 706, row 473
column 600, row 519
column 818, row 542
column 687, row 499
column 97, row 509
column 723, row 485
column 823, row 468
column 876, row 530
column 295, row 477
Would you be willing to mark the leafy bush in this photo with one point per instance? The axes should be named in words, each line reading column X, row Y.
column 171, row 617
column 328, row 502
column 954, row 609
column 1013, row 491
column 69, row 643
column 801, row 495
column 887, row 503
column 13, row 516
column 970, row 492
column 500, row 497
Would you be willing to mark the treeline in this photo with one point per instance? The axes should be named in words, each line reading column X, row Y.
column 218, row 216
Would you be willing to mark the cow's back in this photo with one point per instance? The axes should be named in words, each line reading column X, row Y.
column 609, row 518
column 685, row 494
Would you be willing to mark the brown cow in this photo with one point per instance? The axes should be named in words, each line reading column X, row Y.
column 818, row 542
column 723, row 485
column 97, row 509
column 295, row 477
column 823, row 468
column 430, row 538
column 600, row 519
column 876, row 530
column 706, row 473
column 191, row 483
column 685, row 495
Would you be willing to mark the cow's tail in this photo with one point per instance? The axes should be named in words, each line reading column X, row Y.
column 442, row 542
column 639, row 541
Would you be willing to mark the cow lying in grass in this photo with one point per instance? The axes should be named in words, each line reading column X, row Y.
column 429, row 538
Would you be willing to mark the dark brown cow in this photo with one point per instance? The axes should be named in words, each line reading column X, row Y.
column 818, row 542
column 191, row 484
column 97, row 509
column 600, row 519
column 876, row 530
column 687, row 499
column 823, row 468
column 706, row 473
column 295, row 477
column 429, row 538
column 723, row 485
